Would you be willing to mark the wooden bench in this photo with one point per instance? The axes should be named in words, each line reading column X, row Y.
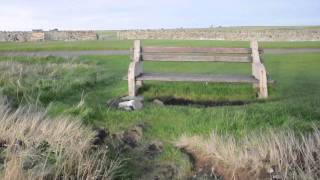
column 136, row 75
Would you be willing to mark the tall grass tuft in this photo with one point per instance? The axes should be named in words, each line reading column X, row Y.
column 280, row 155
column 42, row 82
column 33, row 146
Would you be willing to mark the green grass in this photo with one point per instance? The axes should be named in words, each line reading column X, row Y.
column 81, row 87
column 65, row 46
column 126, row 44
column 293, row 102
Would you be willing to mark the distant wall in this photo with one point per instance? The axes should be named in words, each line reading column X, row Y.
column 70, row 35
column 234, row 34
column 54, row 35
column 15, row 36
column 225, row 34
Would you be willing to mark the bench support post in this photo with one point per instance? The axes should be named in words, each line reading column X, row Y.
column 135, row 69
column 259, row 71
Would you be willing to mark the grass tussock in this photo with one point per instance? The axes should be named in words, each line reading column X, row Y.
column 269, row 156
column 33, row 146
column 29, row 81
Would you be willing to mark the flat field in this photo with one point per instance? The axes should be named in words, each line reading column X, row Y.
column 80, row 87
column 126, row 44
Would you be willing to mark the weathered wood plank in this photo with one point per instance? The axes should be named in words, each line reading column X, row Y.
column 196, row 78
column 135, row 69
column 196, row 58
column 151, row 49
column 255, row 52
column 259, row 71
column 263, row 83
column 137, row 51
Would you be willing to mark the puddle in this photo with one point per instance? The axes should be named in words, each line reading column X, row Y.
column 186, row 102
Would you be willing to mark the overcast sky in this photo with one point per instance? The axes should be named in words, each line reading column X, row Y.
column 137, row 14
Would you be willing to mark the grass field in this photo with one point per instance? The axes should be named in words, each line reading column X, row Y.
column 126, row 44
column 81, row 87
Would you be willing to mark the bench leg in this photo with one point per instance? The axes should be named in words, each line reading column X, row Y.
column 132, row 87
column 131, row 80
column 135, row 69
column 263, row 85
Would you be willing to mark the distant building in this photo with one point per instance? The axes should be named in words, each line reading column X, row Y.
column 37, row 35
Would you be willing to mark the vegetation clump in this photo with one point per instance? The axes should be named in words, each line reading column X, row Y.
column 34, row 146
column 268, row 156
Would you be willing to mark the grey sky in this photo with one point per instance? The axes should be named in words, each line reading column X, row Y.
column 136, row 14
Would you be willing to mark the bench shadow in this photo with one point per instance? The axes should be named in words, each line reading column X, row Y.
column 172, row 101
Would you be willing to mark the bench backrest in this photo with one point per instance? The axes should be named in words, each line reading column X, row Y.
column 243, row 55
column 151, row 53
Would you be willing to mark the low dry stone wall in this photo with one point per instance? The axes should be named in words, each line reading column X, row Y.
column 267, row 34
column 15, row 36
column 25, row 36
column 70, row 35
column 216, row 34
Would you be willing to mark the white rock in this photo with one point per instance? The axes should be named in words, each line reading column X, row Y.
column 131, row 105
column 128, row 98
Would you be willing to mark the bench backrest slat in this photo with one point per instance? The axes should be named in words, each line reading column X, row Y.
column 197, row 58
column 196, row 50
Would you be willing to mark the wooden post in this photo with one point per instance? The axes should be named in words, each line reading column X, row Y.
column 135, row 69
column 263, row 83
column 259, row 71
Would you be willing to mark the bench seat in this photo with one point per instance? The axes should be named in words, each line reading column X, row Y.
column 196, row 78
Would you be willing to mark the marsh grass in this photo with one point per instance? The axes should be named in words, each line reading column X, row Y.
column 30, row 81
column 92, row 80
column 271, row 155
column 34, row 146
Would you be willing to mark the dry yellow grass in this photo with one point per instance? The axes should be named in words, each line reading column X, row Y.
column 268, row 156
column 33, row 146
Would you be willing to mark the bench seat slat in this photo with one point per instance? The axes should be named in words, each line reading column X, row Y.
column 196, row 78
column 151, row 49
column 196, row 58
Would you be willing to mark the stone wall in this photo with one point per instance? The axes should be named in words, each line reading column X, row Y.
column 240, row 34
column 225, row 34
column 16, row 36
column 70, row 35
column 54, row 35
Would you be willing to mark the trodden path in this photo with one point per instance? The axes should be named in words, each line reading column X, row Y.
column 65, row 53
column 126, row 52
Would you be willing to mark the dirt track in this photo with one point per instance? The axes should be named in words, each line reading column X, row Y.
column 125, row 52
column 65, row 53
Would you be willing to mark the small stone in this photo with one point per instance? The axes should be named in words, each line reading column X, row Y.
column 158, row 102
column 131, row 105
column 113, row 103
